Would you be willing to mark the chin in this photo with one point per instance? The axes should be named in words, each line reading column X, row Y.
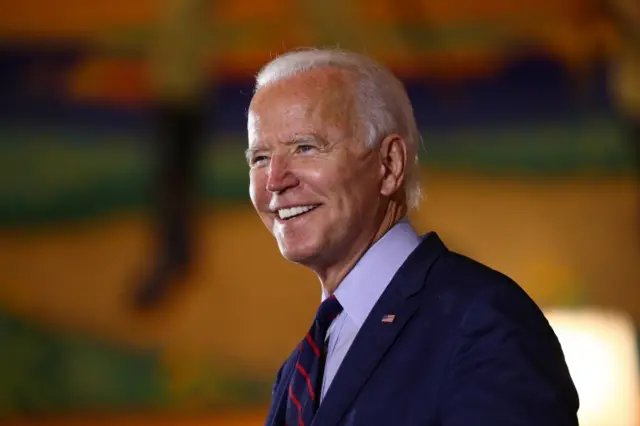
column 297, row 253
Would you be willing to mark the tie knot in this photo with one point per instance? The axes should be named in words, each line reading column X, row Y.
column 328, row 310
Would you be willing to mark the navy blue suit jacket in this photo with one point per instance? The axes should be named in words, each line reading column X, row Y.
column 468, row 347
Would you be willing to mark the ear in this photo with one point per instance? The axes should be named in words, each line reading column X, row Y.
column 393, row 163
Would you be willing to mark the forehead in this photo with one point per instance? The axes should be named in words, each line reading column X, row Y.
column 314, row 100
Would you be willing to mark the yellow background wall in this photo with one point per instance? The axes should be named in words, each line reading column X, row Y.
column 572, row 241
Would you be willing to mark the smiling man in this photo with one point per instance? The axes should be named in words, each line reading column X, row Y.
column 408, row 333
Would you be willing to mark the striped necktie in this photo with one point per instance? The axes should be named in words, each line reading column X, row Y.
column 306, row 383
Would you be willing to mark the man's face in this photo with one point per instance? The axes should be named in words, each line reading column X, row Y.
column 313, row 182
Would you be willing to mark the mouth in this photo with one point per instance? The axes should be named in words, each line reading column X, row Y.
column 297, row 211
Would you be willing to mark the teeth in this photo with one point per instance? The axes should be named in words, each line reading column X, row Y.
column 294, row 211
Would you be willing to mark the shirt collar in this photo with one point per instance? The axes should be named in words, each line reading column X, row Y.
column 364, row 284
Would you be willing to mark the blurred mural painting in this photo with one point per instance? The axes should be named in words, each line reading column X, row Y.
column 134, row 277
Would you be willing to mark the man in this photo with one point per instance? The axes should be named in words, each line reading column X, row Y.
column 409, row 333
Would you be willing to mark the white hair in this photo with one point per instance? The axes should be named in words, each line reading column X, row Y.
column 381, row 100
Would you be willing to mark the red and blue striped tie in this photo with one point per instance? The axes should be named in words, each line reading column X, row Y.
column 306, row 383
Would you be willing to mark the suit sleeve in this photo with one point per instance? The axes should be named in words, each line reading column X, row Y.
column 273, row 410
column 276, row 382
column 508, row 368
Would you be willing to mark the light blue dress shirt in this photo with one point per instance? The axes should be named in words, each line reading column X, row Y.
column 361, row 289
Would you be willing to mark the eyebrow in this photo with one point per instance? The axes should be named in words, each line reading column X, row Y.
column 302, row 138
column 296, row 139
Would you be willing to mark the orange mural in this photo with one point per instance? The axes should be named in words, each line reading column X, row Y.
column 413, row 36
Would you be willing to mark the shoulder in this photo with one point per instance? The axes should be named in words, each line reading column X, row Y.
column 496, row 327
column 465, row 289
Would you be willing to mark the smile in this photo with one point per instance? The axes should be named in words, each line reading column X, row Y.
column 292, row 212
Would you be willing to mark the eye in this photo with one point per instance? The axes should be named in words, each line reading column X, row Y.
column 258, row 159
column 305, row 148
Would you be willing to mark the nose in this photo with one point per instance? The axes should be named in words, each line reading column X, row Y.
column 280, row 176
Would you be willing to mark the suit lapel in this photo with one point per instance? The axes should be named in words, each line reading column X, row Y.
column 375, row 337
column 368, row 348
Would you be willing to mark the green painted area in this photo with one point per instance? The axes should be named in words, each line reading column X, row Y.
column 44, row 371
column 68, row 176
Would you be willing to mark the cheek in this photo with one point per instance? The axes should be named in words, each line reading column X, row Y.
column 361, row 185
column 321, row 175
column 257, row 189
column 337, row 186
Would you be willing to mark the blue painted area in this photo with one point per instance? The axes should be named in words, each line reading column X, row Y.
column 530, row 89
column 527, row 91
column 32, row 84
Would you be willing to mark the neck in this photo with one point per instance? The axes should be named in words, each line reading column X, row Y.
column 331, row 276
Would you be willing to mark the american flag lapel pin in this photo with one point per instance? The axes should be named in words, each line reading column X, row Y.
column 388, row 319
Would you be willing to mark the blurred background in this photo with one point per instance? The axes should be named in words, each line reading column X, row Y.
column 135, row 279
